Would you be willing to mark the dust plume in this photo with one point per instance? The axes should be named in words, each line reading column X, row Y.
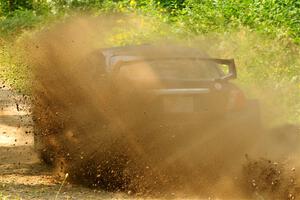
column 107, row 131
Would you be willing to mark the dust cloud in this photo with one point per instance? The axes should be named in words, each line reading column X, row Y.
column 107, row 132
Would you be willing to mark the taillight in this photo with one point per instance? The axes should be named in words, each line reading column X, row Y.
column 237, row 100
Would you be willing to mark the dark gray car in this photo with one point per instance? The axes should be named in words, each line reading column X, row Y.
column 187, row 83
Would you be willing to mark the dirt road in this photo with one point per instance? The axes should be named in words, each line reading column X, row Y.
column 22, row 176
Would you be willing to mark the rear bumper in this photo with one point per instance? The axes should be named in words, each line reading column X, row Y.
column 249, row 116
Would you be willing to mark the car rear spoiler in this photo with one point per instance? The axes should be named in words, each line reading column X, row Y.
column 229, row 62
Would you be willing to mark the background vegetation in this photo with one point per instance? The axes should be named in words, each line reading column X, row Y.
column 263, row 37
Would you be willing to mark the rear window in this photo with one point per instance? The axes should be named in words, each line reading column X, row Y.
column 181, row 69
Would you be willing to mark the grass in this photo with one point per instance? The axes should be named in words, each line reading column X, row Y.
column 13, row 71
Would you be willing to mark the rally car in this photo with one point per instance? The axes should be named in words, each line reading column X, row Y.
column 186, row 84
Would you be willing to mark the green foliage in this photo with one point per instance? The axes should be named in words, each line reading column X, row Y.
column 9, row 6
column 19, row 21
column 275, row 17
